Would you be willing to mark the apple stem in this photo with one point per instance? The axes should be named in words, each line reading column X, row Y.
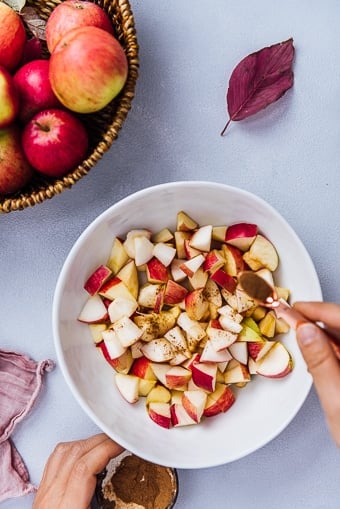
column 42, row 127
column 225, row 127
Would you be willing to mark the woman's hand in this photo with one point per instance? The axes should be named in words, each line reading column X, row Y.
column 69, row 478
column 322, row 356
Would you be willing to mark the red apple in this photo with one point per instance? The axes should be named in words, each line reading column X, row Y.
column 54, row 142
column 9, row 98
column 34, row 89
column 88, row 68
column 72, row 14
column 12, row 37
column 15, row 171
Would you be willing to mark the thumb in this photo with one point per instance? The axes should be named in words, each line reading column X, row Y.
column 324, row 368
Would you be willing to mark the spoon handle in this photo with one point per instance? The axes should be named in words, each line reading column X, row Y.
column 289, row 314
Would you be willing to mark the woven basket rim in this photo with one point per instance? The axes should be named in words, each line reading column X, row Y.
column 123, row 103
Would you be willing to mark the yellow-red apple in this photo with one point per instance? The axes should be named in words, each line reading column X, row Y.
column 88, row 69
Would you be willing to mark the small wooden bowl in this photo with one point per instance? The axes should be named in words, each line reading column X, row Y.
column 103, row 126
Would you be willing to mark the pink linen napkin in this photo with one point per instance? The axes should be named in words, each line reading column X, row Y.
column 20, row 383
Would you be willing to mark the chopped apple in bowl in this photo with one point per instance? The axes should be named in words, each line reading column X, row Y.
column 168, row 314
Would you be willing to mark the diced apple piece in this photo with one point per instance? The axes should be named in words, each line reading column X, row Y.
column 241, row 235
column 120, row 307
column 249, row 334
column 129, row 275
column 185, row 222
column 199, row 279
column 214, row 261
column 145, row 386
column 262, row 254
column 177, row 378
column 158, row 394
column 239, row 373
column 190, row 252
column 204, row 375
column 177, row 273
column 118, row 256
column 97, row 279
column 209, row 354
column 156, row 272
column 224, row 280
column 129, row 243
column 234, row 262
column 123, row 363
column 282, row 293
column 258, row 313
column 155, row 325
column 114, row 288
column 189, row 267
column 164, row 253
column 179, row 416
column 160, row 370
column 149, row 294
column 195, row 304
column 136, row 349
column 239, row 351
column 142, row 367
column 180, row 241
column 243, row 301
column 219, row 233
column 212, row 293
column 220, row 338
column 281, row 326
column 128, row 332
column 201, row 238
column 143, row 248
column 194, row 403
column 158, row 350
column 267, row 324
column 113, row 345
column 128, row 386
column 96, row 330
column 277, row 363
column 230, row 324
column 192, row 327
column 93, row 311
column 257, row 350
column 164, row 235
column 177, row 338
column 174, row 293
column 160, row 414
column 219, row 401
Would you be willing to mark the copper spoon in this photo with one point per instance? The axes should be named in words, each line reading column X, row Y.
column 261, row 291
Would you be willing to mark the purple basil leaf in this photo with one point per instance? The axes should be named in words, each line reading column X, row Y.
column 260, row 79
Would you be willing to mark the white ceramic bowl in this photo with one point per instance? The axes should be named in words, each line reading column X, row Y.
column 262, row 410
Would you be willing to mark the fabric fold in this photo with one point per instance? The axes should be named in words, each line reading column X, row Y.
column 21, row 379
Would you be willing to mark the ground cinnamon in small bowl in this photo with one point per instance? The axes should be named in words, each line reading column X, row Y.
column 133, row 483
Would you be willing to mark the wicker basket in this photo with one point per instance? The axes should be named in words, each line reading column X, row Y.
column 103, row 126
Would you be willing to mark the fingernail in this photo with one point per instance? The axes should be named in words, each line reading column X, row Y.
column 307, row 333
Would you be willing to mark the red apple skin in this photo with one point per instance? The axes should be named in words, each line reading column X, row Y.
column 54, row 142
column 35, row 91
column 9, row 98
column 12, row 37
column 15, row 171
column 72, row 14
column 88, row 69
